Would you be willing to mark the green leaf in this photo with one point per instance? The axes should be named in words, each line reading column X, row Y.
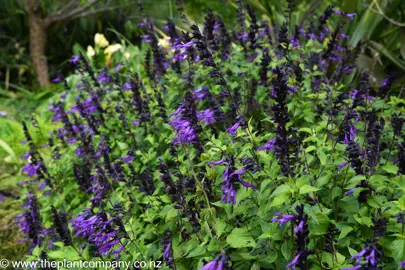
column 58, row 254
column 219, row 227
column 122, row 145
column 280, row 190
column 36, row 251
column 198, row 251
column 390, row 168
column 357, row 179
column 345, row 231
column 240, row 238
column 8, row 149
column 322, row 157
column 397, row 61
column 323, row 180
column 307, row 188
column 305, row 179
column 307, row 130
column 398, row 249
column 280, row 199
column 352, row 252
column 401, row 203
column 286, row 251
column 171, row 214
column 365, row 27
column 310, row 148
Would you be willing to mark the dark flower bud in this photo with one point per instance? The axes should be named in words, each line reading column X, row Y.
column 61, row 226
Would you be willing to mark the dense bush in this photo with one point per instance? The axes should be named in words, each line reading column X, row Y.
column 237, row 149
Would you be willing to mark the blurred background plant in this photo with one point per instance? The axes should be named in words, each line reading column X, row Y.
column 107, row 33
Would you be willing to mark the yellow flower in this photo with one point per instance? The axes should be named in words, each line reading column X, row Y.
column 90, row 52
column 164, row 42
column 112, row 48
column 100, row 40
column 109, row 52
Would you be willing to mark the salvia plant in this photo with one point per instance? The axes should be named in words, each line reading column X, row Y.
column 227, row 149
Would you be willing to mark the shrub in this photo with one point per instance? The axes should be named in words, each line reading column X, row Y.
column 237, row 149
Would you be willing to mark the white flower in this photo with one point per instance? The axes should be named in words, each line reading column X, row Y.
column 100, row 40
column 112, row 48
column 90, row 52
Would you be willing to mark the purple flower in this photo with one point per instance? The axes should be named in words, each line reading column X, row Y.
column 79, row 152
column 30, row 169
column 216, row 26
column 369, row 254
column 127, row 159
column 71, row 140
column 104, row 78
column 212, row 265
column 238, row 173
column 294, row 41
column 74, row 59
column 268, row 146
column 215, row 163
column 402, row 264
column 244, row 36
column 343, row 36
column 30, row 221
column 233, row 130
column 349, row 192
column 180, row 57
column 294, row 262
column 200, row 93
column 206, row 116
column 371, row 257
column 57, row 80
column 219, row 263
column 185, row 123
column 166, row 254
column 184, row 131
column 312, row 36
column 186, row 47
column 26, row 156
column 167, row 248
column 146, row 39
column 230, row 178
column 351, row 15
column 118, row 67
column 135, row 123
column 355, row 94
column 341, row 165
column 385, row 82
column 3, row 113
column 252, row 57
column 300, row 227
column 126, row 86
column 292, row 90
column 283, row 218
column 103, row 232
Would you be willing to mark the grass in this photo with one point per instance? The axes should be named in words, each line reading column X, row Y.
column 18, row 107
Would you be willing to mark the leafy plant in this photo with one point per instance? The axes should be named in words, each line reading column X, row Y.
column 242, row 150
